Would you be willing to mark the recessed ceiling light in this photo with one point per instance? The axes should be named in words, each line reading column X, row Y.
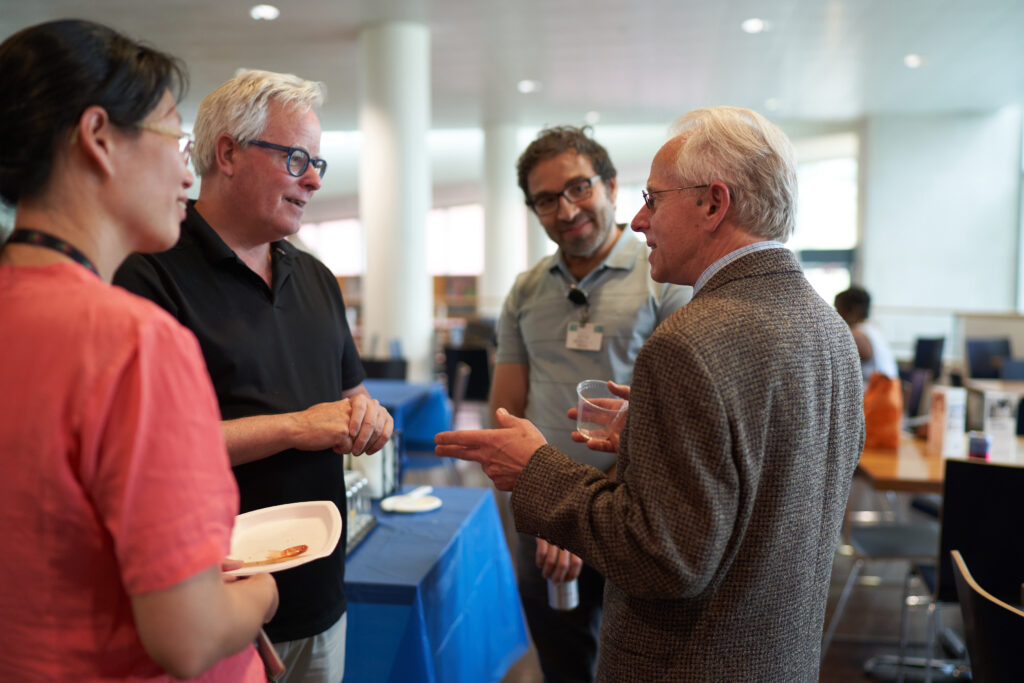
column 913, row 61
column 527, row 86
column 592, row 117
column 264, row 12
column 753, row 25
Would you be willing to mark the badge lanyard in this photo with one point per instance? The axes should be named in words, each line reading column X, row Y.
column 39, row 238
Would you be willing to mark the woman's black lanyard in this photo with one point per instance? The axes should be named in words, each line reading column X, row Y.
column 39, row 238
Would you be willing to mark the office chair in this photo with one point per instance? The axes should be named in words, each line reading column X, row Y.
column 886, row 541
column 928, row 355
column 1012, row 369
column 926, row 368
column 980, row 514
column 985, row 356
column 994, row 629
column 920, row 379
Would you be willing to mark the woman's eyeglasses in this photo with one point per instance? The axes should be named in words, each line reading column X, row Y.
column 184, row 139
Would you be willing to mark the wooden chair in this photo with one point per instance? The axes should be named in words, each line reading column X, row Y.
column 993, row 628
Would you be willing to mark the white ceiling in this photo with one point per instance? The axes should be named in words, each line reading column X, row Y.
column 633, row 62
column 822, row 63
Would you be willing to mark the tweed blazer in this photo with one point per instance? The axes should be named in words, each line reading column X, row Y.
column 744, row 428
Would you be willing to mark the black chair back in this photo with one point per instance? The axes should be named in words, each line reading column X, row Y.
column 480, row 375
column 1012, row 368
column 982, row 513
column 928, row 355
column 385, row 368
column 919, row 379
column 985, row 357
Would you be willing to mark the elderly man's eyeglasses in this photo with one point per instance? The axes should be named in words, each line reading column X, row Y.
column 577, row 190
column 298, row 159
column 184, row 139
column 649, row 196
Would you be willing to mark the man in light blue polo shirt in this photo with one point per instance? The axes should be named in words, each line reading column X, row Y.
column 582, row 313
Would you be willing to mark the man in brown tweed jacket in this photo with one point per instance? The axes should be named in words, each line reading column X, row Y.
column 745, row 424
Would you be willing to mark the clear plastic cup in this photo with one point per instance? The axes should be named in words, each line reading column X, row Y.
column 599, row 412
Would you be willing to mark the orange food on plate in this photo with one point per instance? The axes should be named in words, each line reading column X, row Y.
column 274, row 556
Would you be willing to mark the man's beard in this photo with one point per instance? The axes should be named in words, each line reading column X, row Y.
column 584, row 246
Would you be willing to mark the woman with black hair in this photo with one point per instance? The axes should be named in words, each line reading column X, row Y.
column 118, row 496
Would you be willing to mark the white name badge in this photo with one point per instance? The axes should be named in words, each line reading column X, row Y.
column 584, row 337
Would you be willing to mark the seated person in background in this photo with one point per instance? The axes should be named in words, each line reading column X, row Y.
column 118, row 494
column 854, row 306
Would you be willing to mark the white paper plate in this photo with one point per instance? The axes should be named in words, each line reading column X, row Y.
column 316, row 524
column 407, row 504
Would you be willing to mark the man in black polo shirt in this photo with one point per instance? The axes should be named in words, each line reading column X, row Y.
column 271, row 323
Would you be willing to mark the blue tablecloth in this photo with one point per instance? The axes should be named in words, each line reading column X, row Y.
column 420, row 410
column 432, row 596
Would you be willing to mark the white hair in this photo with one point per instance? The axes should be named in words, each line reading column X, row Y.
column 239, row 109
column 751, row 156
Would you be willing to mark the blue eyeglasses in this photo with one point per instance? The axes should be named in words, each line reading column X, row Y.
column 298, row 159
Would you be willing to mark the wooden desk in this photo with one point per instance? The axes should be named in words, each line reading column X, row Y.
column 913, row 467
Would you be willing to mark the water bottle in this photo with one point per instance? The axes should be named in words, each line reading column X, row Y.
column 563, row 596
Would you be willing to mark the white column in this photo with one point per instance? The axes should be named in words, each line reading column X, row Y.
column 395, row 189
column 504, row 218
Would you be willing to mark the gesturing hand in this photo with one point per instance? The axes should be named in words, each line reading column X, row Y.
column 502, row 452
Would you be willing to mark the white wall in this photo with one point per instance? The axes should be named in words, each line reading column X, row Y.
column 939, row 198
column 456, row 162
column 940, row 222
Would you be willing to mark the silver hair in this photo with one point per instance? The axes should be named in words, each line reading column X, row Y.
column 751, row 156
column 239, row 109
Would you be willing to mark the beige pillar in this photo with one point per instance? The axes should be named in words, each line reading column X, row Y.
column 395, row 189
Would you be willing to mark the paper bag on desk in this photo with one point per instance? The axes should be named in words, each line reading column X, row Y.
column 1000, row 423
column 883, row 412
column 947, row 421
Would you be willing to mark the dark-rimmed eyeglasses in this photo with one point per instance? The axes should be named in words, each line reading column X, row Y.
column 649, row 196
column 184, row 139
column 298, row 159
column 577, row 190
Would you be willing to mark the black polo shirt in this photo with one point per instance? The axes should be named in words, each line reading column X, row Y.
column 269, row 350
